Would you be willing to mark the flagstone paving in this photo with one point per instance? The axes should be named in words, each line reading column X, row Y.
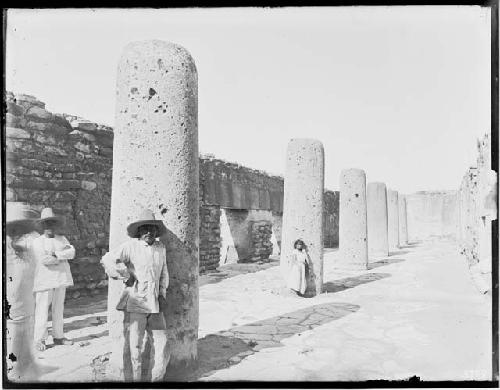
column 414, row 313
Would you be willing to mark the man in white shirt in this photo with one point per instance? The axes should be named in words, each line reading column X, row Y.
column 142, row 264
column 20, row 305
column 52, row 276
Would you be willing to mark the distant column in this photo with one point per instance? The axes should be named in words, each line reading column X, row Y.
column 378, row 243
column 156, row 166
column 353, row 232
column 303, row 206
column 403, row 220
column 393, row 219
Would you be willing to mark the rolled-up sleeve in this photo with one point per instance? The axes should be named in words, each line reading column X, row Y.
column 164, row 277
column 67, row 252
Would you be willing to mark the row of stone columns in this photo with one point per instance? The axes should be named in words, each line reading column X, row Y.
column 155, row 166
column 372, row 220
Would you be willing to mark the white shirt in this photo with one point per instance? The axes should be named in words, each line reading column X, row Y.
column 54, row 275
column 149, row 265
column 20, row 270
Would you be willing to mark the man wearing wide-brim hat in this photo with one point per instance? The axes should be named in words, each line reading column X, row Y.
column 52, row 276
column 142, row 264
column 20, row 306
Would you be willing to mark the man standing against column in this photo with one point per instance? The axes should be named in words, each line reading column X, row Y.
column 141, row 263
column 52, row 252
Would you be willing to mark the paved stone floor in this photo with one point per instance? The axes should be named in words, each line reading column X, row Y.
column 416, row 312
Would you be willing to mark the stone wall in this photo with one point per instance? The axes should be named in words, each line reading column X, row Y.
column 210, row 238
column 431, row 214
column 260, row 236
column 63, row 162
column 477, row 201
column 331, row 219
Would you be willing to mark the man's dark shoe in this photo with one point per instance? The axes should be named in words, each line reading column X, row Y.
column 63, row 341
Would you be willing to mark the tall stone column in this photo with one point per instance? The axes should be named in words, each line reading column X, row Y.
column 378, row 243
column 353, row 231
column 303, row 206
column 403, row 220
column 156, row 166
column 393, row 219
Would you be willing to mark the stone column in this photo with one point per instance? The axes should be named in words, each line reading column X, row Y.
column 156, row 166
column 303, row 206
column 353, row 232
column 402, row 219
column 378, row 243
column 393, row 219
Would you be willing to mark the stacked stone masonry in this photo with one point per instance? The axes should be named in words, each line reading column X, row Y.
column 260, row 233
column 477, row 207
column 65, row 162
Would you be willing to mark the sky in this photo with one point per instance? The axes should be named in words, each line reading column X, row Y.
column 400, row 92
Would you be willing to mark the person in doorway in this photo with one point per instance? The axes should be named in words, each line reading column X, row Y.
column 20, row 305
column 141, row 263
column 52, row 276
column 299, row 261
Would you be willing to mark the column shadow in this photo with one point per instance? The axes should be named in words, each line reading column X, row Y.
column 350, row 282
column 399, row 252
column 223, row 349
column 230, row 270
column 383, row 262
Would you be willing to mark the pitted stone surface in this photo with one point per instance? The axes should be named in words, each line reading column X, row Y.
column 393, row 219
column 303, row 206
column 353, row 234
column 403, row 224
column 155, row 166
column 378, row 244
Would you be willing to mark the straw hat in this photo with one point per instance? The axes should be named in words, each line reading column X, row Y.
column 48, row 215
column 146, row 218
column 21, row 216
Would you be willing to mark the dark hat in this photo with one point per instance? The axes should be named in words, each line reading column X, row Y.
column 20, row 215
column 146, row 218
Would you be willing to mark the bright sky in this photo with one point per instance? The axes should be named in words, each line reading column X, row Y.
column 401, row 92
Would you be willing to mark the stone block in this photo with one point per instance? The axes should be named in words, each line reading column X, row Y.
column 12, row 120
column 303, row 206
column 14, row 109
column 82, row 124
column 38, row 113
column 14, row 132
column 29, row 100
column 378, row 244
column 84, row 148
column 88, row 185
column 402, row 219
column 78, row 134
column 353, row 231
column 393, row 219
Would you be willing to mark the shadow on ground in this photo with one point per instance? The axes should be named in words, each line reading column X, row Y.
column 350, row 282
column 381, row 263
column 84, row 323
column 224, row 349
column 398, row 253
column 230, row 270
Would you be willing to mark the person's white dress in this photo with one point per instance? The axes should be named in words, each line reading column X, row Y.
column 297, row 271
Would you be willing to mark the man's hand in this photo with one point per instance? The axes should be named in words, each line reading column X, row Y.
column 122, row 271
column 49, row 260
